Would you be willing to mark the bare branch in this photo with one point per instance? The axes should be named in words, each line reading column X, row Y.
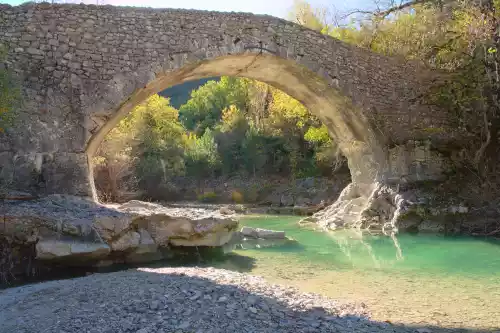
column 379, row 13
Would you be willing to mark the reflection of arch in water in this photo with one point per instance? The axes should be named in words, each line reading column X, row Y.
column 349, row 240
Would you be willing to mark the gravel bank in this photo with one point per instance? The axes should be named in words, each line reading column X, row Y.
column 176, row 300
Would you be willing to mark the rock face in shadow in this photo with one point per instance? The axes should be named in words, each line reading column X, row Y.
column 75, row 231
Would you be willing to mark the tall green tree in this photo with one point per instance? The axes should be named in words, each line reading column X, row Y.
column 204, row 108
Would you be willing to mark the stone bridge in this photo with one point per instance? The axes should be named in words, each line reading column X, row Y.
column 83, row 67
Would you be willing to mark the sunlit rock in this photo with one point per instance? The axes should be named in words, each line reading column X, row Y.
column 74, row 250
column 77, row 231
column 262, row 233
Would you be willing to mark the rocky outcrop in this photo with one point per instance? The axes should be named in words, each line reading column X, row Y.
column 181, row 226
column 80, row 232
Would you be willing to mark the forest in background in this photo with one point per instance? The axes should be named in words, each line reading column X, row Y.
column 233, row 126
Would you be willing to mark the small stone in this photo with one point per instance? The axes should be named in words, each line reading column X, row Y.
column 222, row 299
column 197, row 294
column 184, row 325
column 251, row 300
column 252, row 309
column 424, row 330
column 154, row 305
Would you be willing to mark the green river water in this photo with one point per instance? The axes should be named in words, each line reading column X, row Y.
column 412, row 279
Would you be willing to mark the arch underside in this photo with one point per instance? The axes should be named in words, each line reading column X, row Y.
column 345, row 123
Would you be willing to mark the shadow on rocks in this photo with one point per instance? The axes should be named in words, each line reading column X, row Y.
column 184, row 300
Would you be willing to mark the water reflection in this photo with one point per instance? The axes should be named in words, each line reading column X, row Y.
column 347, row 249
column 353, row 240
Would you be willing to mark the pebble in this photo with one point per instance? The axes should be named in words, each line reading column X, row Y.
column 150, row 300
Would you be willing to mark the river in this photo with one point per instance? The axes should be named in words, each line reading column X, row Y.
column 412, row 279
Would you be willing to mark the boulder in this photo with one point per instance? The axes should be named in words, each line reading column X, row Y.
column 249, row 232
column 181, row 226
column 224, row 210
column 262, row 233
column 165, row 229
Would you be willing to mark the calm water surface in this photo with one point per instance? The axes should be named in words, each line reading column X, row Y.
column 444, row 281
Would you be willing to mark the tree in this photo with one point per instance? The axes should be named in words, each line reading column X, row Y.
column 204, row 109
column 202, row 158
column 144, row 150
column 313, row 18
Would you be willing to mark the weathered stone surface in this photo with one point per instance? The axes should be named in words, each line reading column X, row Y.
column 146, row 251
column 74, row 250
column 127, row 242
column 181, row 226
column 214, row 237
column 67, row 227
column 112, row 226
column 165, row 229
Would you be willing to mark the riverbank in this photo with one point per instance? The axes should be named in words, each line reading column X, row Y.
column 447, row 283
column 180, row 300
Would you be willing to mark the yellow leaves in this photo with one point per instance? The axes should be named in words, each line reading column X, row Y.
column 318, row 135
column 496, row 7
column 285, row 109
column 230, row 114
column 313, row 18
column 424, row 33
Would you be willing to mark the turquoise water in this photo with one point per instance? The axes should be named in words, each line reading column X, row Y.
column 412, row 279
column 418, row 253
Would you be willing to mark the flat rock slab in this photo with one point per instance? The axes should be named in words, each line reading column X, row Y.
column 68, row 227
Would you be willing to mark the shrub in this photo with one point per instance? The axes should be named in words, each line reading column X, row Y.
column 251, row 194
column 207, row 197
column 236, row 196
